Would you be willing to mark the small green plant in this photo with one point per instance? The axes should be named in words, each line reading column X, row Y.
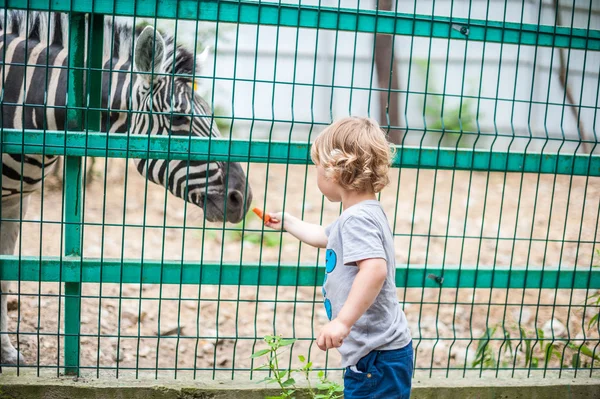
column 594, row 300
column 538, row 350
column 442, row 114
column 325, row 389
column 549, row 349
column 530, row 360
column 484, row 356
column 269, row 239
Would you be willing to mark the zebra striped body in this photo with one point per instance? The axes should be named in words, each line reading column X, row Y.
column 15, row 87
column 150, row 91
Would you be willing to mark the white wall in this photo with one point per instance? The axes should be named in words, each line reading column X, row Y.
column 295, row 69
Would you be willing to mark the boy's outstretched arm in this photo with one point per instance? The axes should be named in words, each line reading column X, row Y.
column 367, row 285
column 311, row 234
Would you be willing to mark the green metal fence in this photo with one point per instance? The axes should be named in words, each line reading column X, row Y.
column 495, row 214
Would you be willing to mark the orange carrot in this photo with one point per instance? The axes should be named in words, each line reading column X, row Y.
column 259, row 213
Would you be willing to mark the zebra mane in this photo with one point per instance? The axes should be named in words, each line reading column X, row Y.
column 119, row 36
column 34, row 25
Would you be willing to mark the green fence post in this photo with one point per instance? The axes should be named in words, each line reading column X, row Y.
column 73, row 205
column 96, row 30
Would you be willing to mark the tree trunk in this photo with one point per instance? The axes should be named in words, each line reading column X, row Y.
column 387, row 67
column 563, row 81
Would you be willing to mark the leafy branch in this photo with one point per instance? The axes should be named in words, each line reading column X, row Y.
column 324, row 390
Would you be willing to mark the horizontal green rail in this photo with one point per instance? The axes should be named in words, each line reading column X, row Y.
column 135, row 271
column 342, row 19
column 223, row 149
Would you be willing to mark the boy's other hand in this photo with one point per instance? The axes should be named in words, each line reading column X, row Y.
column 332, row 335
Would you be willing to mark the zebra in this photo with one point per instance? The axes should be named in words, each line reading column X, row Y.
column 38, row 40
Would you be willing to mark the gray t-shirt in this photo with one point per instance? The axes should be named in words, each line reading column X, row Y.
column 362, row 232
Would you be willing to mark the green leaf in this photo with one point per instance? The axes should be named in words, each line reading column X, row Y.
column 264, row 366
column 260, row 353
column 270, row 339
column 593, row 321
column 288, row 382
column 272, row 240
column 540, row 334
column 548, row 354
column 302, row 358
column 590, row 353
column 593, row 296
column 527, row 345
column 252, row 238
column 508, row 341
column 286, row 342
column 585, row 351
column 484, row 355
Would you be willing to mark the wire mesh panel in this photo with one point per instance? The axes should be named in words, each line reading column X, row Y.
column 137, row 135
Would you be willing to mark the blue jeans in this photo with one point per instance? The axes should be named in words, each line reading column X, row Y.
column 382, row 375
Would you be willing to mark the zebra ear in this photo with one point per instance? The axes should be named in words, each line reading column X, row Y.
column 149, row 53
column 202, row 57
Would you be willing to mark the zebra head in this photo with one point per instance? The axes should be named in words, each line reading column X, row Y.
column 165, row 103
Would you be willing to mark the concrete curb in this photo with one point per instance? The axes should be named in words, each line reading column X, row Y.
column 31, row 387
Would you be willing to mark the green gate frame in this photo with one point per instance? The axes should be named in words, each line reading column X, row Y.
column 80, row 141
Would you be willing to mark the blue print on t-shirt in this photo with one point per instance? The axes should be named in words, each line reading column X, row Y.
column 328, row 308
column 330, row 260
column 330, row 263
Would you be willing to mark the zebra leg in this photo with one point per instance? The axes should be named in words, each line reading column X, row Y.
column 9, row 232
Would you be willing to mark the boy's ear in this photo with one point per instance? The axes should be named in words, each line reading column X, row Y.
column 333, row 176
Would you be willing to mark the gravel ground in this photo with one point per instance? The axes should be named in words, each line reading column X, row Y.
column 554, row 218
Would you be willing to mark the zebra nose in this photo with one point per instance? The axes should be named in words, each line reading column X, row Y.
column 235, row 201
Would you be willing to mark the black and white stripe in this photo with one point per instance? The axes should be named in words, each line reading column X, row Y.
column 166, row 104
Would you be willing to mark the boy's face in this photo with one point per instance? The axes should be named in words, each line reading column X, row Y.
column 328, row 188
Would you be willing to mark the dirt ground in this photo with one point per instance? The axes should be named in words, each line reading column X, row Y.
column 439, row 218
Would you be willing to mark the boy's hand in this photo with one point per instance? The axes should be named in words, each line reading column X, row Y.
column 276, row 220
column 332, row 335
column 311, row 234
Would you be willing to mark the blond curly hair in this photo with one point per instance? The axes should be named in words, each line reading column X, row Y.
column 355, row 154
